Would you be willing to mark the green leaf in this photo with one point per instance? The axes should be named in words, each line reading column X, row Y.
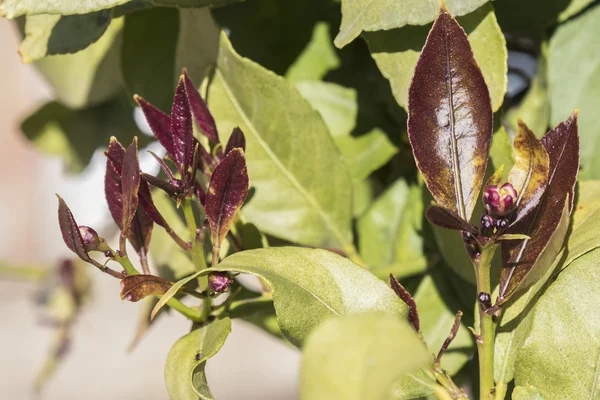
column 526, row 393
column 184, row 370
column 450, row 118
column 396, row 53
column 171, row 292
column 336, row 104
column 560, row 355
column 501, row 152
column 359, row 357
column 292, row 161
column 311, row 285
column 437, row 309
column 317, row 59
column 74, row 135
column 366, row 153
column 89, row 77
column 376, row 15
column 389, row 232
column 49, row 34
column 574, row 43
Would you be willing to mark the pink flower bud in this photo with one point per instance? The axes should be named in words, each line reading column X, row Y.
column 91, row 241
column 219, row 282
column 500, row 202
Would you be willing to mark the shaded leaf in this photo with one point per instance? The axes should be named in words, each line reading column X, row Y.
column 335, row 355
column 226, row 194
column 560, row 355
column 529, row 176
column 396, row 53
column 200, row 111
column 130, row 185
column 389, row 232
column 449, row 109
column 443, row 217
column 235, row 141
column 311, row 285
column 501, row 152
column 268, row 108
column 184, row 370
column 159, row 122
column 50, row 34
column 181, row 128
column 137, row 287
column 574, row 43
column 89, row 77
column 376, row 15
column 70, row 230
column 317, row 58
column 526, row 393
column 519, row 258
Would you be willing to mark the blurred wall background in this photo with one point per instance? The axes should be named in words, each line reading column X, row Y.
column 251, row 365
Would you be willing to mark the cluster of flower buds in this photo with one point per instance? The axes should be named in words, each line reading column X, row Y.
column 219, row 282
column 499, row 202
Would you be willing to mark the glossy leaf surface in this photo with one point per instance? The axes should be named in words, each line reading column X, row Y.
column 335, row 356
column 529, row 176
column 450, row 117
column 181, row 128
column 560, row 355
column 562, row 145
column 200, row 111
column 375, row 15
column 289, row 176
column 396, row 53
column 226, row 194
column 137, row 287
column 159, row 122
column 311, row 285
column 184, row 370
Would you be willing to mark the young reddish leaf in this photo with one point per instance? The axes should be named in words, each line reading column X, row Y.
column 529, row 175
column 206, row 162
column 70, row 230
column 181, row 129
column 203, row 117
column 413, row 314
column 226, row 194
column 236, row 140
column 450, row 117
column 519, row 257
column 130, row 185
column 136, row 287
column 445, row 218
column 160, row 123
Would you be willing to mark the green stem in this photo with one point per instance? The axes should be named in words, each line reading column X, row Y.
column 500, row 391
column 197, row 251
column 190, row 313
column 485, row 340
column 126, row 264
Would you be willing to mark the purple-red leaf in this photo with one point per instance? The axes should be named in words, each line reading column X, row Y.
column 541, row 225
column 160, row 123
column 236, row 140
column 206, row 162
column 181, row 129
column 130, row 185
column 226, row 194
column 203, row 117
column 450, row 117
column 70, row 230
column 413, row 314
column 136, row 287
column 445, row 218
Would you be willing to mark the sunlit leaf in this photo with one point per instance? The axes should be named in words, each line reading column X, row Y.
column 159, row 122
column 130, row 185
column 70, row 230
column 200, row 111
column 311, row 285
column 396, row 52
column 529, row 176
column 335, row 355
column 137, row 287
column 237, row 140
column 317, row 59
column 184, row 370
column 450, row 117
column 546, row 224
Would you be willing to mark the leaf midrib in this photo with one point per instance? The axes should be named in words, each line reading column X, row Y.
column 310, row 199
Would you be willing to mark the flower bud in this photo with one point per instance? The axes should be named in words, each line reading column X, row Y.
column 91, row 241
column 487, row 225
column 500, row 201
column 219, row 282
column 485, row 300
